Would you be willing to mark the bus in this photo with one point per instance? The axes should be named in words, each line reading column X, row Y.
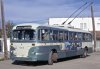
column 33, row 42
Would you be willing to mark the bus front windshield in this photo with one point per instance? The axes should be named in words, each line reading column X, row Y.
column 23, row 34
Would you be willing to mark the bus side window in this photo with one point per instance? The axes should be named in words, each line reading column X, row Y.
column 51, row 35
column 71, row 35
column 65, row 36
column 75, row 36
column 55, row 35
column 41, row 34
column 89, row 37
column 44, row 34
column 85, row 37
column 61, row 35
column 79, row 36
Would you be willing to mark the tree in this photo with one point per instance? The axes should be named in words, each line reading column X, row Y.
column 9, row 26
column 0, row 32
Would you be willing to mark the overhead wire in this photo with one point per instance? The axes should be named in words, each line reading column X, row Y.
column 74, row 13
column 80, row 12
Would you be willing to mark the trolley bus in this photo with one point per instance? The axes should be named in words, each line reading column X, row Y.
column 33, row 42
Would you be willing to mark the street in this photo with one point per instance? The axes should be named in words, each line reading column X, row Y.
column 90, row 62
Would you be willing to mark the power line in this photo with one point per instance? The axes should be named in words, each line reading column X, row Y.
column 80, row 12
column 74, row 13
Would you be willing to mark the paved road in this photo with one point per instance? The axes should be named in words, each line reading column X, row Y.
column 91, row 62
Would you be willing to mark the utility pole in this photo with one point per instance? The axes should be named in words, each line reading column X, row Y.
column 4, row 31
column 93, row 25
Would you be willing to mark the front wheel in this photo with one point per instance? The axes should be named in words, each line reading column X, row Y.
column 52, row 58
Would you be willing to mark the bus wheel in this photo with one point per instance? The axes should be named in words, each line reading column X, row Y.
column 50, row 60
column 55, row 57
column 52, row 57
column 84, row 54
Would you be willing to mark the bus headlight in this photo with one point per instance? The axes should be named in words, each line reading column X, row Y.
column 33, row 44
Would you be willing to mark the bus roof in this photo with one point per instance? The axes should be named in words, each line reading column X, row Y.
column 34, row 26
column 70, row 28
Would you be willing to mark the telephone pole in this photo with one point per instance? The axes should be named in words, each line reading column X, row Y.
column 93, row 25
column 3, row 31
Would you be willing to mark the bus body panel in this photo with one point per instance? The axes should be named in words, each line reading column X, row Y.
column 41, row 53
column 21, row 49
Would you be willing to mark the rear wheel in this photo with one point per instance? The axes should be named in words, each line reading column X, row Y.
column 84, row 54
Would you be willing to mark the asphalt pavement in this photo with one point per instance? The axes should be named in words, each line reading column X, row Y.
column 90, row 62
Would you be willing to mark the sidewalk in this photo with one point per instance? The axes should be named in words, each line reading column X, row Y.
column 2, row 55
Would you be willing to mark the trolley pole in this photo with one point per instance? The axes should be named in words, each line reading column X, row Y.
column 4, row 31
column 93, row 25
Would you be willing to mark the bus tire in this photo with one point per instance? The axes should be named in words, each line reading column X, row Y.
column 85, row 51
column 84, row 55
column 50, row 60
column 53, row 56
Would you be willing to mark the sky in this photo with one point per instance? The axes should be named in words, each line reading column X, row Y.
column 20, row 11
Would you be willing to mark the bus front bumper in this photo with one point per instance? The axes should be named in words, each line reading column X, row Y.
column 24, row 59
column 36, row 57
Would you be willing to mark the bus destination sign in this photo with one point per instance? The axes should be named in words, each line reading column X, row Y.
column 23, row 27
